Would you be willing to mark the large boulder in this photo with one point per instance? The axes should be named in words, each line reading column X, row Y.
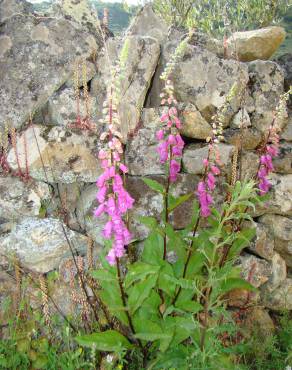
column 203, row 79
column 280, row 228
column 40, row 244
column 139, row 67
column 36, row 58
column 56, row 155
column 148, row 23
column 266, row 86
column 256, row 44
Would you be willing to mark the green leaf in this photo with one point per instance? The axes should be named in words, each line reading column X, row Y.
column 151, row 222
column 108, row 341
column 154, row 185
column 235, row 283
column 165, row 274
column 189, row 306
column 153, row 331
column 153, row 249
column 103, row 275
column 242, row 240
column 140, row 291
column 174, row 202
column 139, row 271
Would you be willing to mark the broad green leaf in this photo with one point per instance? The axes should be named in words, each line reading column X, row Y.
column 154, row 185
column 140, row 291
column 153, row 249
column 242, row 240
column 103, row 275
column 190, row 306
column 139, row 271
column 174, row 202
column 108, row 341
column 235, row 283
column 152, row 332
column 165, row 274
column 151, row 222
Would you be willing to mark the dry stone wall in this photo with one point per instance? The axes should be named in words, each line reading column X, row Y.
column 37, row 58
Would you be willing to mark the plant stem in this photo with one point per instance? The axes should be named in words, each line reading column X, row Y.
column 190, row 252
column 123, row 296
column 205, row 321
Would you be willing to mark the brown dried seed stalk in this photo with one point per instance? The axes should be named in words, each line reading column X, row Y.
column 85, row 89
column 76, row 86
column 234, row 166
column 90, row 253
column 14, row 145
column 83, row 298
column 18, row 280
column 45, row 299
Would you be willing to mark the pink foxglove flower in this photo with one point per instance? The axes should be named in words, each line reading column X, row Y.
column 208, row 184
column 270, row 151
column 171, row 144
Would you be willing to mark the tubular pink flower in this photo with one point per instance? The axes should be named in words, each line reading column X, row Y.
column 173, row 170
column 99, row 210
column 160, row 135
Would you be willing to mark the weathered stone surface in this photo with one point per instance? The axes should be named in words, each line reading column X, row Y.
column 258, row 322
column 9, row 8
column 280, row 201
column 141, row 155
column 249, row 164
column 148, row 23
column 251, row 137
column 83, row 66
column 283, row 163
column 36, row 60
column 281, row 298
column 257, row 44
column 285, row 61
column 62, row 109
column 255, row 270
column 143, row 54
column 266, row 86
column 241, row 119
column 72, row 156
column 205, row 41
column 287, row 132
column 263, row 243
column 280, row 228
column 279, row 273
column 201, row 78
column 193, row 124
column 194, row 154
column 40, row 244
column 19, row 199
column 81, row 12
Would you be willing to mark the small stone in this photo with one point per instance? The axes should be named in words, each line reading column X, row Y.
column 250, row 137
column 263, row 244
column 258, row 322
column 194, row 154
column 281, row 298
column 193, row 124
column 241, row 119
column 20, row 199
column 255, row 270
column 256, row 44
column 279, row 273
column 283, row 163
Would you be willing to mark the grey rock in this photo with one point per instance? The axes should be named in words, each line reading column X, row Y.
column 39, row 57
column 255, row 270
column 281, row 298
column 279, row 273
column 148, row 23
column 19, row 199
column 266, row 86
column 40, row 244
column 57, row 155
column 143, row 54
column 194, row 154
column 257, row 44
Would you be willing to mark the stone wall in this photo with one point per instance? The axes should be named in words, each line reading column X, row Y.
column 37, row 58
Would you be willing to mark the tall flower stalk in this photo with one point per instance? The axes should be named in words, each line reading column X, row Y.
column 114, row 200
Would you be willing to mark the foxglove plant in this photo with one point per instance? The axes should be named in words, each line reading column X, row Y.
column 114, row 200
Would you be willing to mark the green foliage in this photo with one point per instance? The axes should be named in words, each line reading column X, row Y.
column 215, row 16
column 270, row 352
